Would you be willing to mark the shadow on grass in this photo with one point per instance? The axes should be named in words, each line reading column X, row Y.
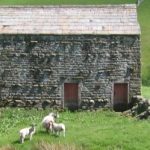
column 39, row 134
column 42, row 132
column 16, row 142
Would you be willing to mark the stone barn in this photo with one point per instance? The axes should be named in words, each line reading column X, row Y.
column 69, row 56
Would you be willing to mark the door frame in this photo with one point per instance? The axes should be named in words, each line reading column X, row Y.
column 79, row 93
column 112, row 95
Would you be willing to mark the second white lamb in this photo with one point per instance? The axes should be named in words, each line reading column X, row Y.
column 57, row 128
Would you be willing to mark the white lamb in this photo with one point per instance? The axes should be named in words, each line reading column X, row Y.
column 49, row 118
column 57, row 128
column 26, row 132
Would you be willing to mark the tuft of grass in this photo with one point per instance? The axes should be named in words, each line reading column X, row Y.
column 42, row 145
column 8, row 147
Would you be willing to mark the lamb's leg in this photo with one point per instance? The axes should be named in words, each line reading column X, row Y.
column 21, row 139
column 51, row 128
column 47, row 130
column 52, row 131
column 31, row 136
column 64, row 133
column 57, row 133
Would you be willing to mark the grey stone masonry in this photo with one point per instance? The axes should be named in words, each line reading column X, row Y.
column 34, row 68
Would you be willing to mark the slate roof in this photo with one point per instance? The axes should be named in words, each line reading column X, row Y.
column 84, row 19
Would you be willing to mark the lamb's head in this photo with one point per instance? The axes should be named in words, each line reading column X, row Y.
column 33, row 125
column 55, row 115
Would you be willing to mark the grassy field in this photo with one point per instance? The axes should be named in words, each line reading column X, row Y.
column 143, row 15
column 101, row 130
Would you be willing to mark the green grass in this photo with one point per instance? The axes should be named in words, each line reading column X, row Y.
column 56, row 2
column 144, row 11
column 104, row 130
column 146, row 91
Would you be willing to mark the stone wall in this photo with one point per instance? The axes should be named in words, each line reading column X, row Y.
column 34, row 68
column 140, row 108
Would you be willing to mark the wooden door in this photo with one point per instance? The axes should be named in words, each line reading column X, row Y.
column 71, row 95
column 120, row 96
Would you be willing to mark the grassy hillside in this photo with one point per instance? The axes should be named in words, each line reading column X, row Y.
column 143, row 14
column 146, row 92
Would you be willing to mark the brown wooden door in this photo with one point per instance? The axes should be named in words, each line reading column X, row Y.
column 120, row 96
column 71, row 95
